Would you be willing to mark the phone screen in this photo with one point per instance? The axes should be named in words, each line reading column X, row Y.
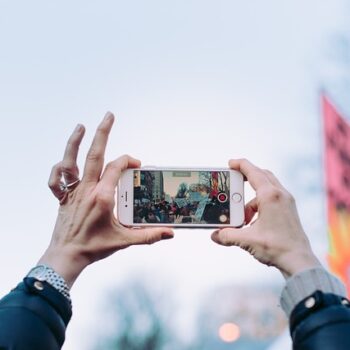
column 181, row 197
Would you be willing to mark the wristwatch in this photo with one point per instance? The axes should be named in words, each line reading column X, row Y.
column 49, row 275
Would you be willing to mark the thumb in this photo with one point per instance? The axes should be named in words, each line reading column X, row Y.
column 231, row 236
column 150, row 235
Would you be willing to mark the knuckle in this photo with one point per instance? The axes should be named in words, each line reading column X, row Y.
column 269, row 172
column 255, row 172
column 289, row 197
column 102, row 129
column 55, row 174
column 68, row 167
column 225, row 238
column 109, row 166
column 73, row 142
column 120, row 163
column 123, row 160
column 93, row 156
column 273, row 194
column 149, row 237
column 56, row 167
column 244, row 161
column 148, row 240
column 51, row 184
column 103, row 200
column 114, row 168
column 113, row 165
column 125, row 157
column 277, row 195
column 264, row 246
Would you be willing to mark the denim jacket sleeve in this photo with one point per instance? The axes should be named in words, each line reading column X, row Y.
column 34, row 315
column 321, row 322
column 315, row 302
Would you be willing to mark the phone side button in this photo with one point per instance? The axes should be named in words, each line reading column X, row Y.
column 236, row 197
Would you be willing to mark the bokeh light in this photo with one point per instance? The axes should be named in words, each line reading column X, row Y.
column 229, row 332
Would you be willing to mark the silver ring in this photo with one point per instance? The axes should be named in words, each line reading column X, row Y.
column 70, row 186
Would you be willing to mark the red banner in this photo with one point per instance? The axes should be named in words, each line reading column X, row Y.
column 337, row 167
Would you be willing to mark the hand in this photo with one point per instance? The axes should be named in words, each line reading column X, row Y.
column 86, row 229
column 276, row 237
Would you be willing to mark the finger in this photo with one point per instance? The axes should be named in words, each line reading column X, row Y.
column 111, row 174
column 232, row 237
column 55, row 182
column 273, row 179
column 149, row 235
column 70, row 169
column 256, row 176
column 251, row 208
column 95, row 156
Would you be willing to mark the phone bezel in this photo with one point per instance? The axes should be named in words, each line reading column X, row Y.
column 125, row 200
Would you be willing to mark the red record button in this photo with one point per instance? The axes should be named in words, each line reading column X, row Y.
column 222, row 197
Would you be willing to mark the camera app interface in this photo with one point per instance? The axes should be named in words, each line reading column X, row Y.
column 181, row 197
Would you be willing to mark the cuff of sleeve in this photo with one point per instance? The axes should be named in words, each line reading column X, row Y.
column 303, row 284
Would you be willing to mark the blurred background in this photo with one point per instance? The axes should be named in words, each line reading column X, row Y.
column 192, row 83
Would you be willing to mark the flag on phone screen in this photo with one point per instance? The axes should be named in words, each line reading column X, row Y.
column 337, row 168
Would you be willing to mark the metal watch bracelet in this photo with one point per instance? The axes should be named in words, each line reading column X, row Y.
column 46, row 273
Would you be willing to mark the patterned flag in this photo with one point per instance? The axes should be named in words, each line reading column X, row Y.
column 337, row 167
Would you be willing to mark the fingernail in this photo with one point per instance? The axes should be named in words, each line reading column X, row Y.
column 78, row 128
column 108, row 116
column 214, row 235
column 167, row 235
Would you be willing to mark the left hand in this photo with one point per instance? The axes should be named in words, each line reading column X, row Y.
column 86, row 229
column 276, row 237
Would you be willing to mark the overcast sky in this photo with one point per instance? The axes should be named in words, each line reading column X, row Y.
column 192, row 83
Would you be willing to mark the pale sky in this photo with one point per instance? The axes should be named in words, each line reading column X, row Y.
column 192, row 83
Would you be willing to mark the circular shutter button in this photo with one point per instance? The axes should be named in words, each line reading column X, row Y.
column 236, row 197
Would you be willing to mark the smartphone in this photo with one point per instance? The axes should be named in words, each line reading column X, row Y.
column 184, row 197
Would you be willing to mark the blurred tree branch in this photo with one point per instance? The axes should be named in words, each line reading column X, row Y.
column 138, row 320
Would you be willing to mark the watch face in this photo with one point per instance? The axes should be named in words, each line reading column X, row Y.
column 38, row 272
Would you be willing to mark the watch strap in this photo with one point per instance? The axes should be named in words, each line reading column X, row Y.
column 48, row 274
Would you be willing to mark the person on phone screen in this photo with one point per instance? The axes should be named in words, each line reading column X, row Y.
column 36, row 313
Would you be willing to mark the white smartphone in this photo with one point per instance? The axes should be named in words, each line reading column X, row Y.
column 183, row 197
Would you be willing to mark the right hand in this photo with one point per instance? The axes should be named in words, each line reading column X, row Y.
column 86, row 229
column 276, row 237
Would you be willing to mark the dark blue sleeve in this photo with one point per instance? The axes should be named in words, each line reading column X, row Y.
column 321, row 322
column 34, row 315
